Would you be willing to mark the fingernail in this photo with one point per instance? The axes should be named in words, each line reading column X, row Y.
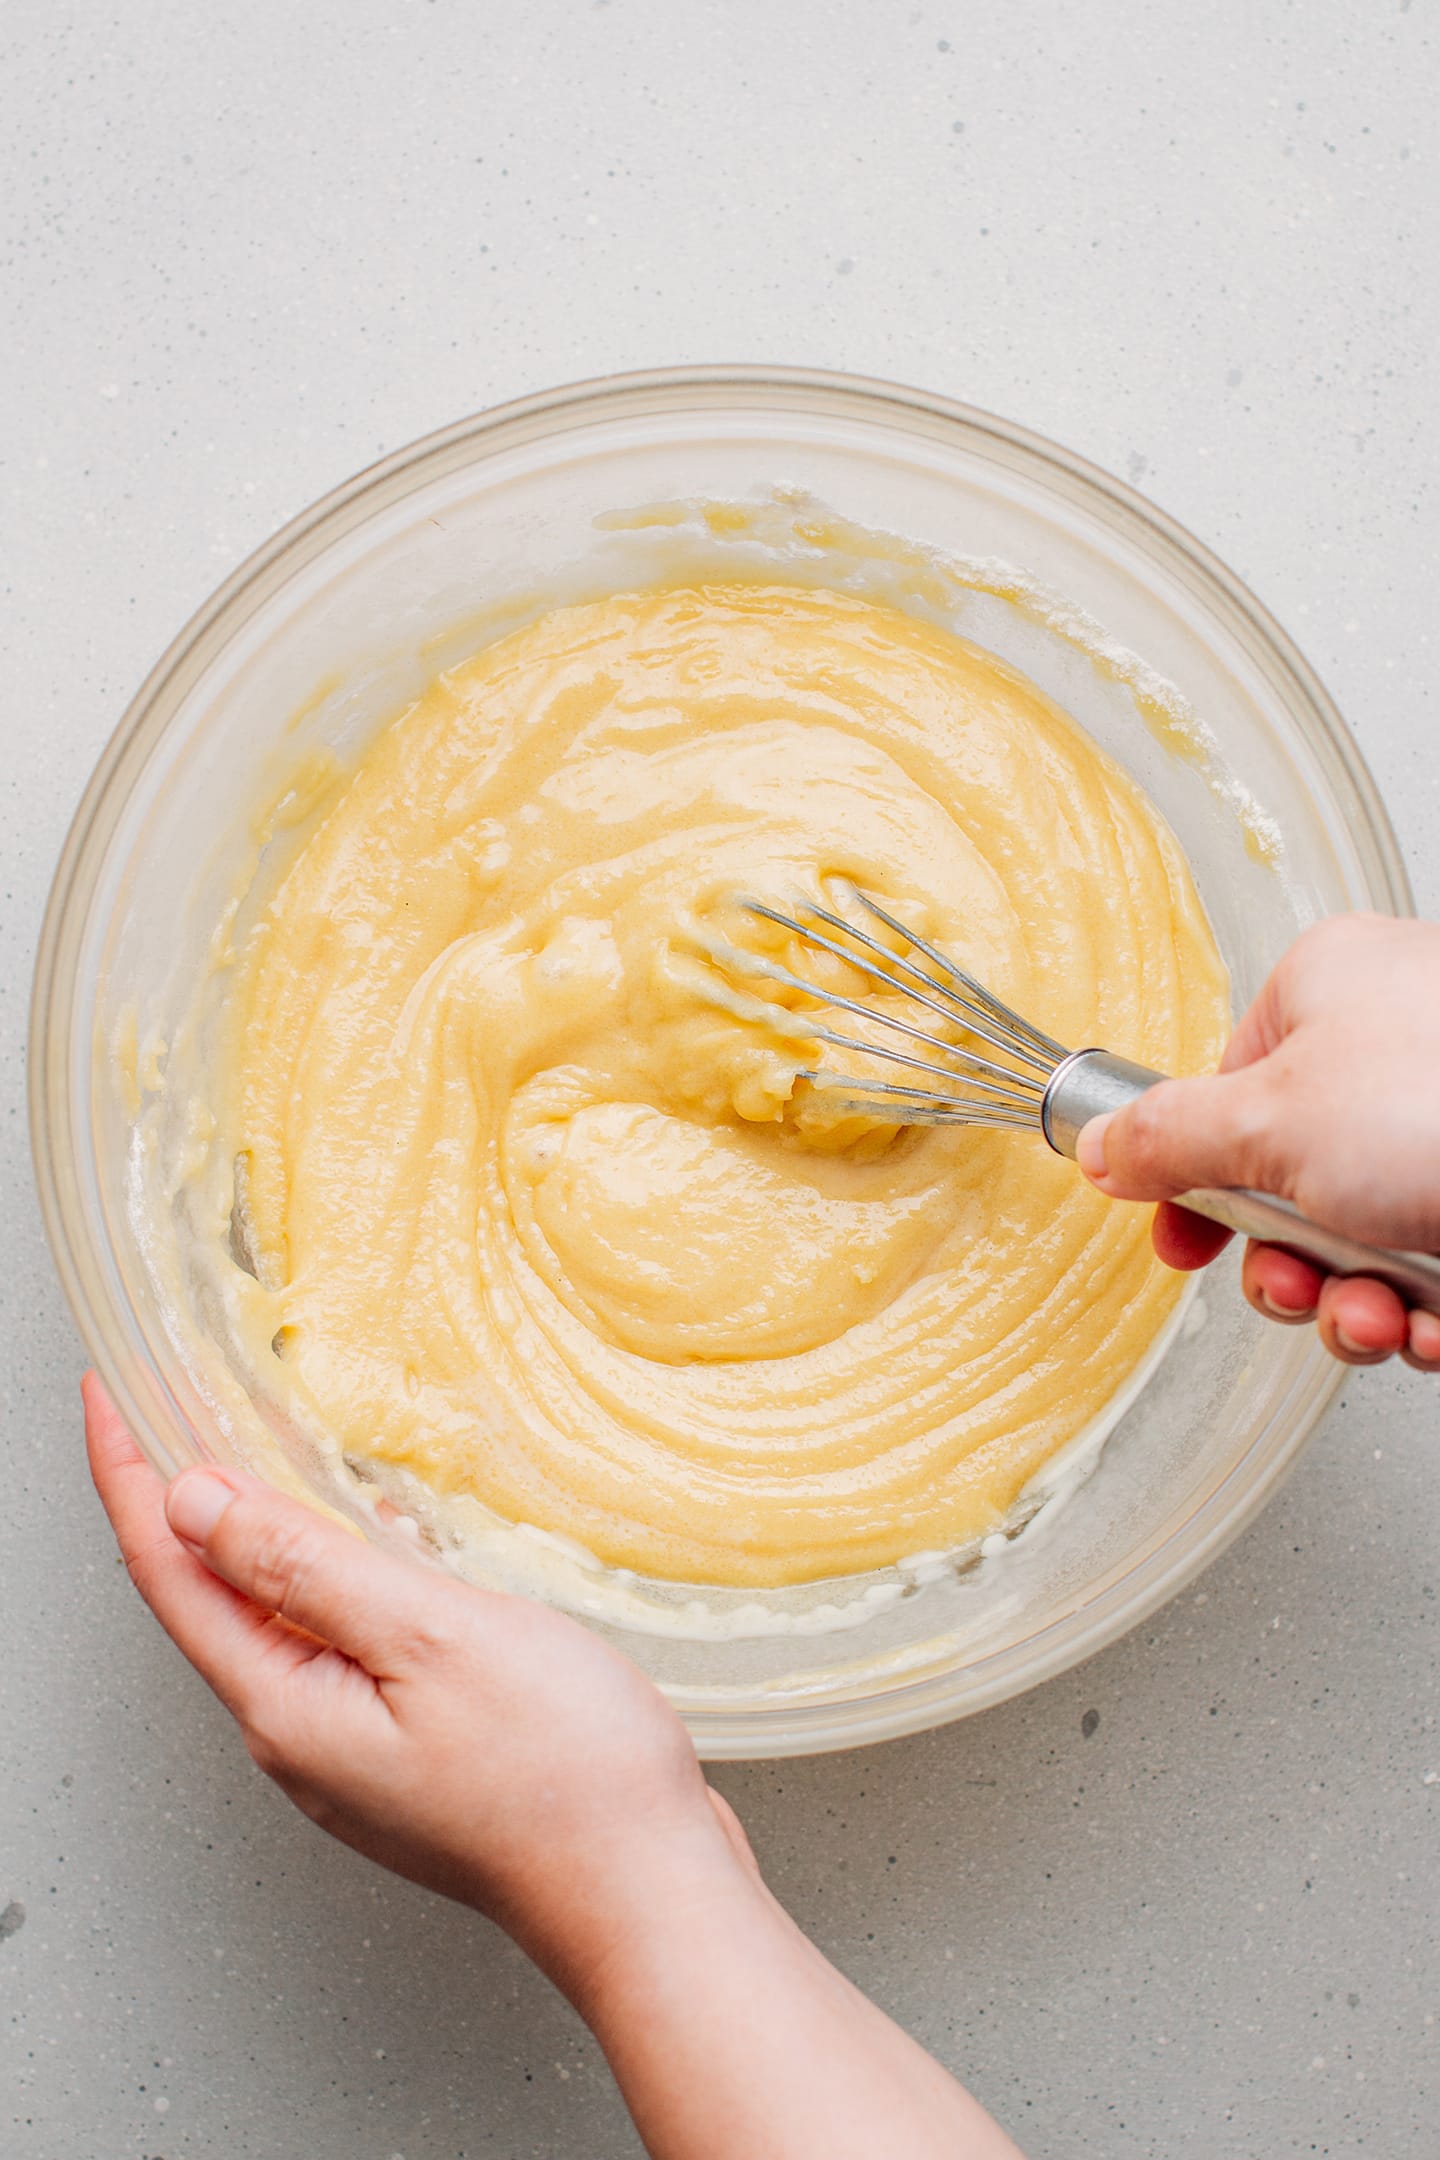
column 1090, row 1146
column 1285, row 1312
column 195, row 1503
column 1348, row 1342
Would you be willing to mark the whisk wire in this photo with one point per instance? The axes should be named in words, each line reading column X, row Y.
column 1008, row 1096
column 1013, row 1034
column 982, row 1070
column 1017, row 1095
column 1014, row 1023
column 885, row 976
column 911, row 1105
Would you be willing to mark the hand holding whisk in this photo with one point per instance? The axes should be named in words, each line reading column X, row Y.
column 992, row 1067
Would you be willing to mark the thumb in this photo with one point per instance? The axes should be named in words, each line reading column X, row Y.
column 375, row 1606
column 1221, row 1130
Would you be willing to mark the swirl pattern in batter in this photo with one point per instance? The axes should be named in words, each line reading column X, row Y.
column 538, row 1222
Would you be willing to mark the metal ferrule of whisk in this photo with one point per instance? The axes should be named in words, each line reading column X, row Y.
column 992, row 1067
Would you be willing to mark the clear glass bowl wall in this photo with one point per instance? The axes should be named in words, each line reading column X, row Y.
column 347, row 612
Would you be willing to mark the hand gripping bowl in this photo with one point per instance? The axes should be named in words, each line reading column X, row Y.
column 731, row 472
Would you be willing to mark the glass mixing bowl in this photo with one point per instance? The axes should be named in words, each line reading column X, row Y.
column 731, row 472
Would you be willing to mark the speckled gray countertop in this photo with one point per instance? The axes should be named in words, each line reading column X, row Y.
column 1186, row 1900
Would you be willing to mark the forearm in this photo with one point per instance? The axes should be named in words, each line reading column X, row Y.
column 729, row 2033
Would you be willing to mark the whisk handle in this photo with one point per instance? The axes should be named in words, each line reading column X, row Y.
column 1415, row 1275
column 1090, row 1082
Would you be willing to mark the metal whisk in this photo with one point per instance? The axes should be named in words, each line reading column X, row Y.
column 1002, row 1071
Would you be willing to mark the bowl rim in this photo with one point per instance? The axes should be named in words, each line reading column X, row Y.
column 1150, row 1578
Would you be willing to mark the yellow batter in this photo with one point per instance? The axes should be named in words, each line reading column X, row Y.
column 537, row 1221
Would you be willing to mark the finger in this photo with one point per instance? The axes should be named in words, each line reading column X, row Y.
column 1185, row 1240
column 222, row 1635
column 1422, row 1350
column 1257, row 1033
column 1361, row 1321
column 384, row 1611
column 1280, row 1284
column 1217, row 1131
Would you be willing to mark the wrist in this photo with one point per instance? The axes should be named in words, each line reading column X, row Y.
column 624, row 1912
column 666, row 1935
